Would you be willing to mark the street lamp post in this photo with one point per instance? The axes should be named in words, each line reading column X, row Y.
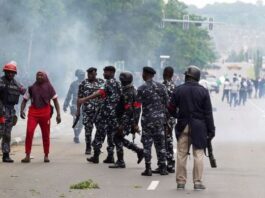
column 163, row 59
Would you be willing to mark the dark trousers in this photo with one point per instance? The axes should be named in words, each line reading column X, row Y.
column 242, row 97
column 154, row 133
column 233, row 98
column 225, row 95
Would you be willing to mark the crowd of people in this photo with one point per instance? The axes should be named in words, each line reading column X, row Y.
column 115, row 108
column 237, row 90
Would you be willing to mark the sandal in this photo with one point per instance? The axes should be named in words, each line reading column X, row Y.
column 25, row 160
column 46, row 160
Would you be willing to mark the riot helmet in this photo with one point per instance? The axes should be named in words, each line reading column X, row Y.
column 193, row 72
column 10, row 67
column 126, row 78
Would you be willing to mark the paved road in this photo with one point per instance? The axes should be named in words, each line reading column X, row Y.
column 239, row 149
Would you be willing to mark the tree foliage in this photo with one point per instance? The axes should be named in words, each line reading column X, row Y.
column 185, row 47
column 257, row 64
column 59, row 34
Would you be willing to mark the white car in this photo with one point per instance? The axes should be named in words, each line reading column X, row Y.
column 210, row 83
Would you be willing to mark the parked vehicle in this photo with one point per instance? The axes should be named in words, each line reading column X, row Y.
column 210, row 83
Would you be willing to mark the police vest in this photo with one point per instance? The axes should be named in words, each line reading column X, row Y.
column 10, row 92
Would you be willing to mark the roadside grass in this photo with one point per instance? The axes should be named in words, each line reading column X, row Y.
column 89, row 184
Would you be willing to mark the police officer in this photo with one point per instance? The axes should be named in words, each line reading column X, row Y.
column 170, row 121
column 128, row 113
column 191, row 105
column 154, row 97
column 106, row 120
column 90, row 108
column 10, row 90
column 72, row 95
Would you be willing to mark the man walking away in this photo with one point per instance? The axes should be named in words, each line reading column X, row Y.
column 191, row 105
column 154, row 97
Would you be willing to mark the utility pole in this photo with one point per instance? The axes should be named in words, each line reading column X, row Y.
column 186, row 24
column 163, row 59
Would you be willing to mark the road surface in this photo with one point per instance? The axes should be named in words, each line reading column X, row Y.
column 239, row 149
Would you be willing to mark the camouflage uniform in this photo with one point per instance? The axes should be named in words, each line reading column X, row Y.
column 153, row 96
column 90, row 108
column 128, row 113
column 9, row 97
column 72, row 94
column 171, row 121
column 106, row 120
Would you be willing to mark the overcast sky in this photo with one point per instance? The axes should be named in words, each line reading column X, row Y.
column 202, row 3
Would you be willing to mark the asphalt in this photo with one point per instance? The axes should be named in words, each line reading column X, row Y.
column 238, row 148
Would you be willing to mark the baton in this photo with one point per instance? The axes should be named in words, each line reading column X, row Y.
column 76, row 121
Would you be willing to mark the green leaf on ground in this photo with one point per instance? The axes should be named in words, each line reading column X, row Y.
column 137, row 186
column 89, row 184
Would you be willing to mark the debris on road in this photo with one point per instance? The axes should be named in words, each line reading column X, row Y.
column 89, row 184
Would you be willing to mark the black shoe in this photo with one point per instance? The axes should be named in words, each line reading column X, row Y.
column 171, row 166
column 161, row 170
column 118, row 164
column 88, row 152
column 6, row 158
column 140, row 156
column 148, row 170
column 88, row 149
column 170, row 169
column 109, row 160
column 93, row 159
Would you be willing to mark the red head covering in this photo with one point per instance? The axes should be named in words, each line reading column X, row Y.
column 41, row 93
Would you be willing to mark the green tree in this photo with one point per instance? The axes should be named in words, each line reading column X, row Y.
column 60, row 34
column 257, row 64
column 125, row 30
column 185, row 47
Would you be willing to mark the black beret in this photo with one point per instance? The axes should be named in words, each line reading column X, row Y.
column 91, row 69
column 109, row 68
column 149, row 70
